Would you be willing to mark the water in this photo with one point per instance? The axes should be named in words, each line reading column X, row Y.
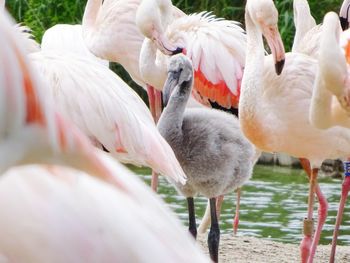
column 273, row 205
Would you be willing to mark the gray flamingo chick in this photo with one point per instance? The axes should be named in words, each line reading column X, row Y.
column 212, row 150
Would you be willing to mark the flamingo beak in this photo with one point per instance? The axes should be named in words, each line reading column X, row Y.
column 170, row 84
column 275, row 43
column 344, row 15
column 164, row 45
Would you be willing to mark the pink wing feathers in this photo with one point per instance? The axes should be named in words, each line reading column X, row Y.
column 217, row 50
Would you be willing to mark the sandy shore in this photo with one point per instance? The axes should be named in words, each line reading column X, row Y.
column 250, row 249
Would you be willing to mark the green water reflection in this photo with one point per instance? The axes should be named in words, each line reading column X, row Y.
column 273, row 205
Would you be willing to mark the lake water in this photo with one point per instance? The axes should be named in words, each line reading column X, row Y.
column 273, row 205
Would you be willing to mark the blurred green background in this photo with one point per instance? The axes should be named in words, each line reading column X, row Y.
column 42, row 14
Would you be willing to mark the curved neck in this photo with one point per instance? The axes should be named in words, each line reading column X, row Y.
column 303, row 21
column 321, row 105
column 152, row 70
column 253, row 73
column 90, row 14
column 173, row 114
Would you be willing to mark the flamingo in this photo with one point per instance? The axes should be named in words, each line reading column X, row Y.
column 110, row 32
column 326, row 111
column 68, row 38
column 209, row 144
column 307, row 33
column 30, row 130
column 206, row 40
column 58, row 214
column 107, row 110
column 216, row 48
column 93, row 221
column 268, row 117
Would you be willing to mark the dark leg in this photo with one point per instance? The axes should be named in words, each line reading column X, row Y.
column 192, row 217
column 214, row 233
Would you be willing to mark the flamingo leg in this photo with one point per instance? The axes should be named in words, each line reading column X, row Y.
column 219, row 202
column 214, row 233
column 158, row 104
column 307, row 246
column 344, row 194
column 152, row 105
column 151, row 101
column 192, row 217
column 236, row 218
column 322, row 215
column 154, row 181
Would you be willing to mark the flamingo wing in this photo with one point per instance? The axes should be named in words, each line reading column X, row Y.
column 68, row 38
column 79, row 218
column 217, row 50
column 106, row 109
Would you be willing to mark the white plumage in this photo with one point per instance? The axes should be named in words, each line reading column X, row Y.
column 62, row 215
column 107, row 110
column 68, row 38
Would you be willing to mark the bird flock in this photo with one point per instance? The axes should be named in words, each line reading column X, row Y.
column 67, row 123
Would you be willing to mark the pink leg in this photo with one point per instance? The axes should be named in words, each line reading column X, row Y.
column 322, row 215
column 308, row 222
column 158, row 104
column 344, row 194
column 154, row 181
column 236, row 218
column 152, row 105
column 151, row 100
column 219, row 201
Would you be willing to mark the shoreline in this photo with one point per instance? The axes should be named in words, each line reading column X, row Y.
column 244, row 249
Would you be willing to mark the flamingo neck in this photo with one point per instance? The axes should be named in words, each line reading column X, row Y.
column 173, row 114
column 252, row 80
column 321, row 104
column 303, row 21
column 152, row 68
column 90, row 14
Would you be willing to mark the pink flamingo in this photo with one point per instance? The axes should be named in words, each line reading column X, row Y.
column 332, row 82
column 64, row 214
column 107, row 110
column 68, row 38
column 268, row 117
column 110, row 32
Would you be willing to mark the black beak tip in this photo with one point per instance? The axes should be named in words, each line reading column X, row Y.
column 178, row 50
column 279, row 66
column 344, row 23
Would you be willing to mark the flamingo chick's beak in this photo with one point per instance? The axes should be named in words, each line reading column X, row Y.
column 164, row 45
column 275, row 43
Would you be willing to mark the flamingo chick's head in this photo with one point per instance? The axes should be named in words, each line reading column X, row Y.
column 152, row 19
column 180, row 76
column 264, row 15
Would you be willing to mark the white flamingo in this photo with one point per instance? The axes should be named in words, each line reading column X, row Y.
column 110, row 32
column 332, row 78
column 30, row 130
column 266, row 99
column 68, row 38
column 307, row 33
column 63, row 215
column 107, row 110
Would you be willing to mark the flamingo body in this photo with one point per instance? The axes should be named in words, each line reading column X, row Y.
column 107, row 110
column 63, row 215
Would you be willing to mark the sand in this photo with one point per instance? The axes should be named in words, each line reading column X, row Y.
column 240, row 249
